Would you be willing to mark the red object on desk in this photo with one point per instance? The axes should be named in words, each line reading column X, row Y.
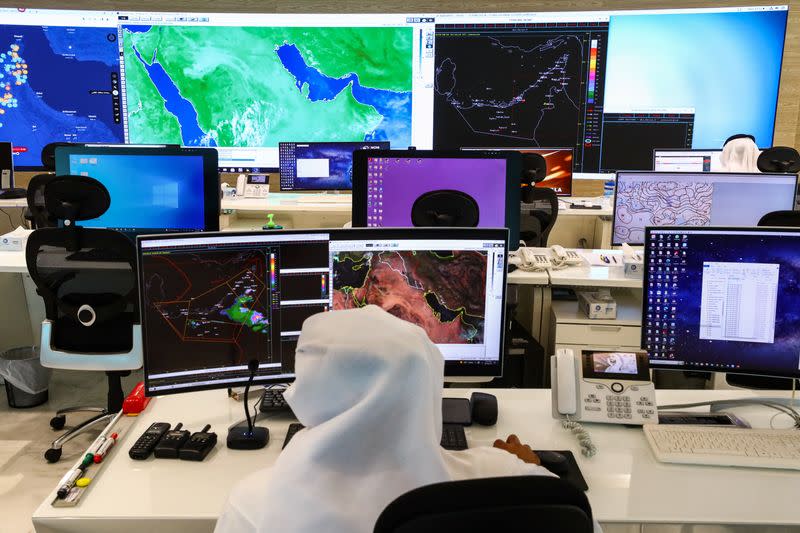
column 136, row 401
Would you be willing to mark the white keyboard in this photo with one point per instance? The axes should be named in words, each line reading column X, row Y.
column 758, row 448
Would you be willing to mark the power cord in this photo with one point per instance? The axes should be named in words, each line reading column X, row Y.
column 588, row 449
column 784, row 409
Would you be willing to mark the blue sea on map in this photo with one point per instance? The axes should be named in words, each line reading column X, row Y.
column 64, row 65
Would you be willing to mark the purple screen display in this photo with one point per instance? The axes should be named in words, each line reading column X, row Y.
column 394, row 184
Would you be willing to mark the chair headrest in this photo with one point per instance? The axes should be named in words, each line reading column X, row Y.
column 534, row 168
column 76, row 198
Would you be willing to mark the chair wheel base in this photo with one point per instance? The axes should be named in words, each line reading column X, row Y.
column 53, row 455
column 58, row 422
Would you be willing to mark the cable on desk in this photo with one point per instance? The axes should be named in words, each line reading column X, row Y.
column 10, row 220
column 588, row 449
column 785, row 409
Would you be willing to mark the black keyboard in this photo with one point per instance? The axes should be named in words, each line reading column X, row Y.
column 454, row 437
column 273, row 401
column 293, row 428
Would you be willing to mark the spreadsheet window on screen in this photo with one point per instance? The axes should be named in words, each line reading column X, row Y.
column 586, row 80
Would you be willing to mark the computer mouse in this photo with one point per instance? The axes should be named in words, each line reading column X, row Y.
column 555, row 462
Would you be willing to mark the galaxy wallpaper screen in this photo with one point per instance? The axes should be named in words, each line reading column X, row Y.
column 680, row 305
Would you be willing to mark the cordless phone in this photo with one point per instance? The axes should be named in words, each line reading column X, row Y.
column 144, row 445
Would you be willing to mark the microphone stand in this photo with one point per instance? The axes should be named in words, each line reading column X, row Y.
column 251, row 437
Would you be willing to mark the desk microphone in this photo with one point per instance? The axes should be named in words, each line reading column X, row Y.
column 251, row 437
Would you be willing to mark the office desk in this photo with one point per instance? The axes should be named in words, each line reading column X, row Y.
column 626, row 484
column 16, row 202
column 291, row 210
column 593, row 226
column 13, row 262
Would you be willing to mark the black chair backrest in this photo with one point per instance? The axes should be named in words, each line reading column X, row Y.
column 86, row 276
column 789, row 219
column 509, row 504
column 539, row 212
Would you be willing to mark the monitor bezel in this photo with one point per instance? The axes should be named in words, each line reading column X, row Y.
column 512, row 181
column 325, row 143
column 654, row 364
column 452, row 369
column 211, row 181
column 709, row 175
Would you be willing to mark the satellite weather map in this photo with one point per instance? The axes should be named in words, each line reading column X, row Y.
column 58, row 84
column 662, row 203
column 213, row 298
column 442, row 292
column 529, row 96
column 256, row 86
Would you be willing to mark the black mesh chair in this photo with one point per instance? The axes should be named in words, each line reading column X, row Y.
column 539, row 211
column 36, row 213
column 508, row 504
column 775, row 218
column 91, row 305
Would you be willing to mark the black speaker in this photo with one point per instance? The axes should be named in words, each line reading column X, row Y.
column 445, row 208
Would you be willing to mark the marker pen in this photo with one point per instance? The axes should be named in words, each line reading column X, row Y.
column 68, row 482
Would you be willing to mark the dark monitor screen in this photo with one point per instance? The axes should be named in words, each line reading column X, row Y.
column 723, row 299
column 152, row 190
column 559, row 167
column 386, row 185
column 316, row 166
column 645, row 199
column 212, row 302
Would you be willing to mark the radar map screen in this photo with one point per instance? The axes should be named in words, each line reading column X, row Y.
column 198, row 302
column 443, row 292
column 58, row 84
column 518, row 85
column 255, row 86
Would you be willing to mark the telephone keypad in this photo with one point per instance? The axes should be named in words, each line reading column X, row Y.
column 619, row 407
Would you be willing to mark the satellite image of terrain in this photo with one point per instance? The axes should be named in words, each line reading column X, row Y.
column 443, row 292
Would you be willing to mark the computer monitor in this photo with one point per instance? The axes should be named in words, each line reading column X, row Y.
column 388, row 185
column 152, row 189
column 667, row 160
column 319, row 166
column 60, row 80
column 559, row 167
column 212, row 302
column 723, row 299
column 645, row 199
column 612, row 84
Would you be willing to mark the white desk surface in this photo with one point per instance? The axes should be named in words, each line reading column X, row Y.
column 277, row 202
column 16, row 202
column 13, row 262
column 520, row 277
column 593, row 276
column 626, row 483
column 564, row 210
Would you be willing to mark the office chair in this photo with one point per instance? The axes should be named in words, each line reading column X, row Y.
column 36, row 213
column 445, row 208
column 779, row 159
column 91, row 307
column 539, row 211
column 519, row 503
column 775, row 218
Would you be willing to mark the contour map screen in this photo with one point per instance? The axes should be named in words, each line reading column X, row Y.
column 212, row 303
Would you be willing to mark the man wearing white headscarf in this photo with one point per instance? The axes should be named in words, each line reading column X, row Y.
column 368, row 390
column 740, row 154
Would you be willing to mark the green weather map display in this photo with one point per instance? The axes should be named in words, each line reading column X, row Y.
column 257, row 86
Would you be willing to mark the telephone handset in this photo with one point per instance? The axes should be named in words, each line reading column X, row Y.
column 566, row 257
column 610, row 387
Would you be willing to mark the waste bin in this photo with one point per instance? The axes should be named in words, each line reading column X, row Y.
column 25, row 378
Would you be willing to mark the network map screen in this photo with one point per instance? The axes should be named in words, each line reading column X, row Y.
column 614, row 85
column 320, row 166
column 212, row 303
column 645, row 199
column 722, row 299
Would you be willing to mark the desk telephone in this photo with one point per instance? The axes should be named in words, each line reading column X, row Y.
column 555, row 256
column 607, row 387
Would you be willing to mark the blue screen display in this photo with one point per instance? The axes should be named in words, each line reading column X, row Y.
column 58, row 84
column 726, row 66
column 158, row 192
column 723, row 301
